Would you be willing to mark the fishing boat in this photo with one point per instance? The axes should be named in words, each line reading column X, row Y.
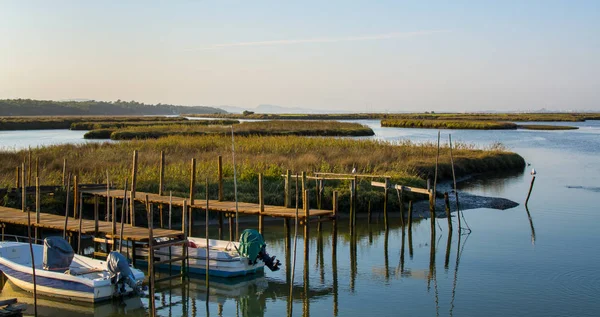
column 61, row 273
column 225, row 258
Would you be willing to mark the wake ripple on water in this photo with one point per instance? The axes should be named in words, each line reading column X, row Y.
column 583, row 283
column 589, row 188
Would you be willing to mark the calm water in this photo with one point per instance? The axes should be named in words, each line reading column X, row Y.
column 513, row 263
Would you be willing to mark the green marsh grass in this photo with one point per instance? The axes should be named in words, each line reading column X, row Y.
column 447, row 124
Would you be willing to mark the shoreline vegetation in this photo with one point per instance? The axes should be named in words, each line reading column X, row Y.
column 67, row 122
column 448, row 124
column 506, row 117
column 404, row 162
column 222, row 127
column 30, row 107
column 545, row 127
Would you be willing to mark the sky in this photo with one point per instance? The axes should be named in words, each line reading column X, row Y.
column 359, row 56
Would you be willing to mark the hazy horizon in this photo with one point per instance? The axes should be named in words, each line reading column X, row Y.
column 333, row 56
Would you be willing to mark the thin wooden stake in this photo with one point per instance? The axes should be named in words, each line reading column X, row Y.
column 37, row 206
column 530, row 188
column 192, row 181
column 80, row 213
column 207, row 243
column 23, row 189
column 133, row 186
column 68, row 189
column 161, row 177
column 261, row 202
column 107, row 217
column 32, row 261
column 64, row 172
column 123, row 213
column 170, row 208
column 220, row 175
column 447, row 203
column 454, row 180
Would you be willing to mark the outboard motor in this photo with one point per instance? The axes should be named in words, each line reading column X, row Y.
column 58, row 254
column 253, row 246
column 120, row 274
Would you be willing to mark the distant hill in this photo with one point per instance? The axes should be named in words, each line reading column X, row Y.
column 29, row 107
column 274, row 109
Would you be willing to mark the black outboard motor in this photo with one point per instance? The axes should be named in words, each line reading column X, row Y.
column 270, row 261
column 120, row 274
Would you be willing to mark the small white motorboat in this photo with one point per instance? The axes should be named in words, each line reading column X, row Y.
column 61, row 273
column 225, row 258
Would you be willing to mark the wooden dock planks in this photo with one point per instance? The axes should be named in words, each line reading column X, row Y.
column 56, row 222
column 215, row 205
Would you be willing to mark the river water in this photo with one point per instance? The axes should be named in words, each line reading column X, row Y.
column 537, row 262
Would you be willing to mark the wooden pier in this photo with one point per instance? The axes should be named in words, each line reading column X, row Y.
column 215, row 205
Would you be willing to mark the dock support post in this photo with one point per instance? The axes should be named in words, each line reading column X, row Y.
column 64, row 172
column 151, row 255
column 288, row 189
column 18, row 177
column 306, row 226
column 80, row 214
column 220, row 176
column 192, row 181
column 75, row 196
column 133, row 186
column 29, row 167
column 185, row 236
column 96, row 211
column 37, row 166
column 304, row 197
column 447, row 202
column 385, row 203
column 400, row 193
column 261, row 202
column 107, row 216
column 161, row 176
column 37, row 205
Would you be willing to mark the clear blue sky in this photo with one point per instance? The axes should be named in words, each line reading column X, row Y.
column 335, row 55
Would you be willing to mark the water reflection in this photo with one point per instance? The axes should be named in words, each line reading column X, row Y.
column 530, row 225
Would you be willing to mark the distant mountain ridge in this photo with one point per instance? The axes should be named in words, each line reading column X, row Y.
column 30, row 107
column 275, row 109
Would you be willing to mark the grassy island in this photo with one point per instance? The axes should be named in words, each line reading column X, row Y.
column 263, row 128
column 405, row 162
column 546, row 127
column 447, row 124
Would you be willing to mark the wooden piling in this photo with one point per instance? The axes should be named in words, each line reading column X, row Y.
column 185, row 235
column 306, row 226
column 447, row 203
column 123, row 213
column 37, row 205
column 133, row 187
column 114, row 223
column 288, row 189
column 107, row 217
column 530, row 188
column 80, row 213
column 454, row 181
column 409, row 215
column 303, row 180
column 192, row 181
column 400, row 193
column 261, row 202
column 161, row 174
column 220, row 175
column 151, row 255
column 29, row 168
column 18, row 177
column 68, row 189
column 75, row 196
column 37, row 167
column 96, row 214
column 64, row 172
column 385, row 203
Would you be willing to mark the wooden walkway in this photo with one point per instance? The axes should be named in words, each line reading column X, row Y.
column 55, row 222
column 214, row 205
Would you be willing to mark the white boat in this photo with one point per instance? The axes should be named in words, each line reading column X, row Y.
column 84, row 279
column 225, row 258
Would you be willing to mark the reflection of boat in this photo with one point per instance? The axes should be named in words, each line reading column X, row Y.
column 225, row 258
column 52, row 307
column 78, row 278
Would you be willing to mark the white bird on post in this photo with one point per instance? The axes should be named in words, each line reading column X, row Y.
column 533, row 172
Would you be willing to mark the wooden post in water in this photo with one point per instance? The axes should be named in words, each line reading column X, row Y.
column 107, row 216
column 288, row 189
column 64, row 172
column 447, row 203
column 161, row 175
column 96, row 215
column 80, row 213
column 220, row 176
column 75, row 196
column 192, row 181
column 454, row 180
column 304, row 202
column 133, row 186
column 306, row 225
column 18, row 177
column 149, row 212
column 37, row 206
column 68, row 189
column 261, row 202
column 409, row 216
column 29, row 167
column 185, row 236
column 207, row 264
column 400, row 193
column 530, row 188
column 37, row 166
column 385, row 203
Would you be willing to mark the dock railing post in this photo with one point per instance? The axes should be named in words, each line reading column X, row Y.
column 64, row 172
column 385, row 203
column 220, row 176
column 133, row 187
column 37, row 206
column 306, row 225
column 161, row 176
column 261, row 202
column 192, row 180
column 288, row 189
